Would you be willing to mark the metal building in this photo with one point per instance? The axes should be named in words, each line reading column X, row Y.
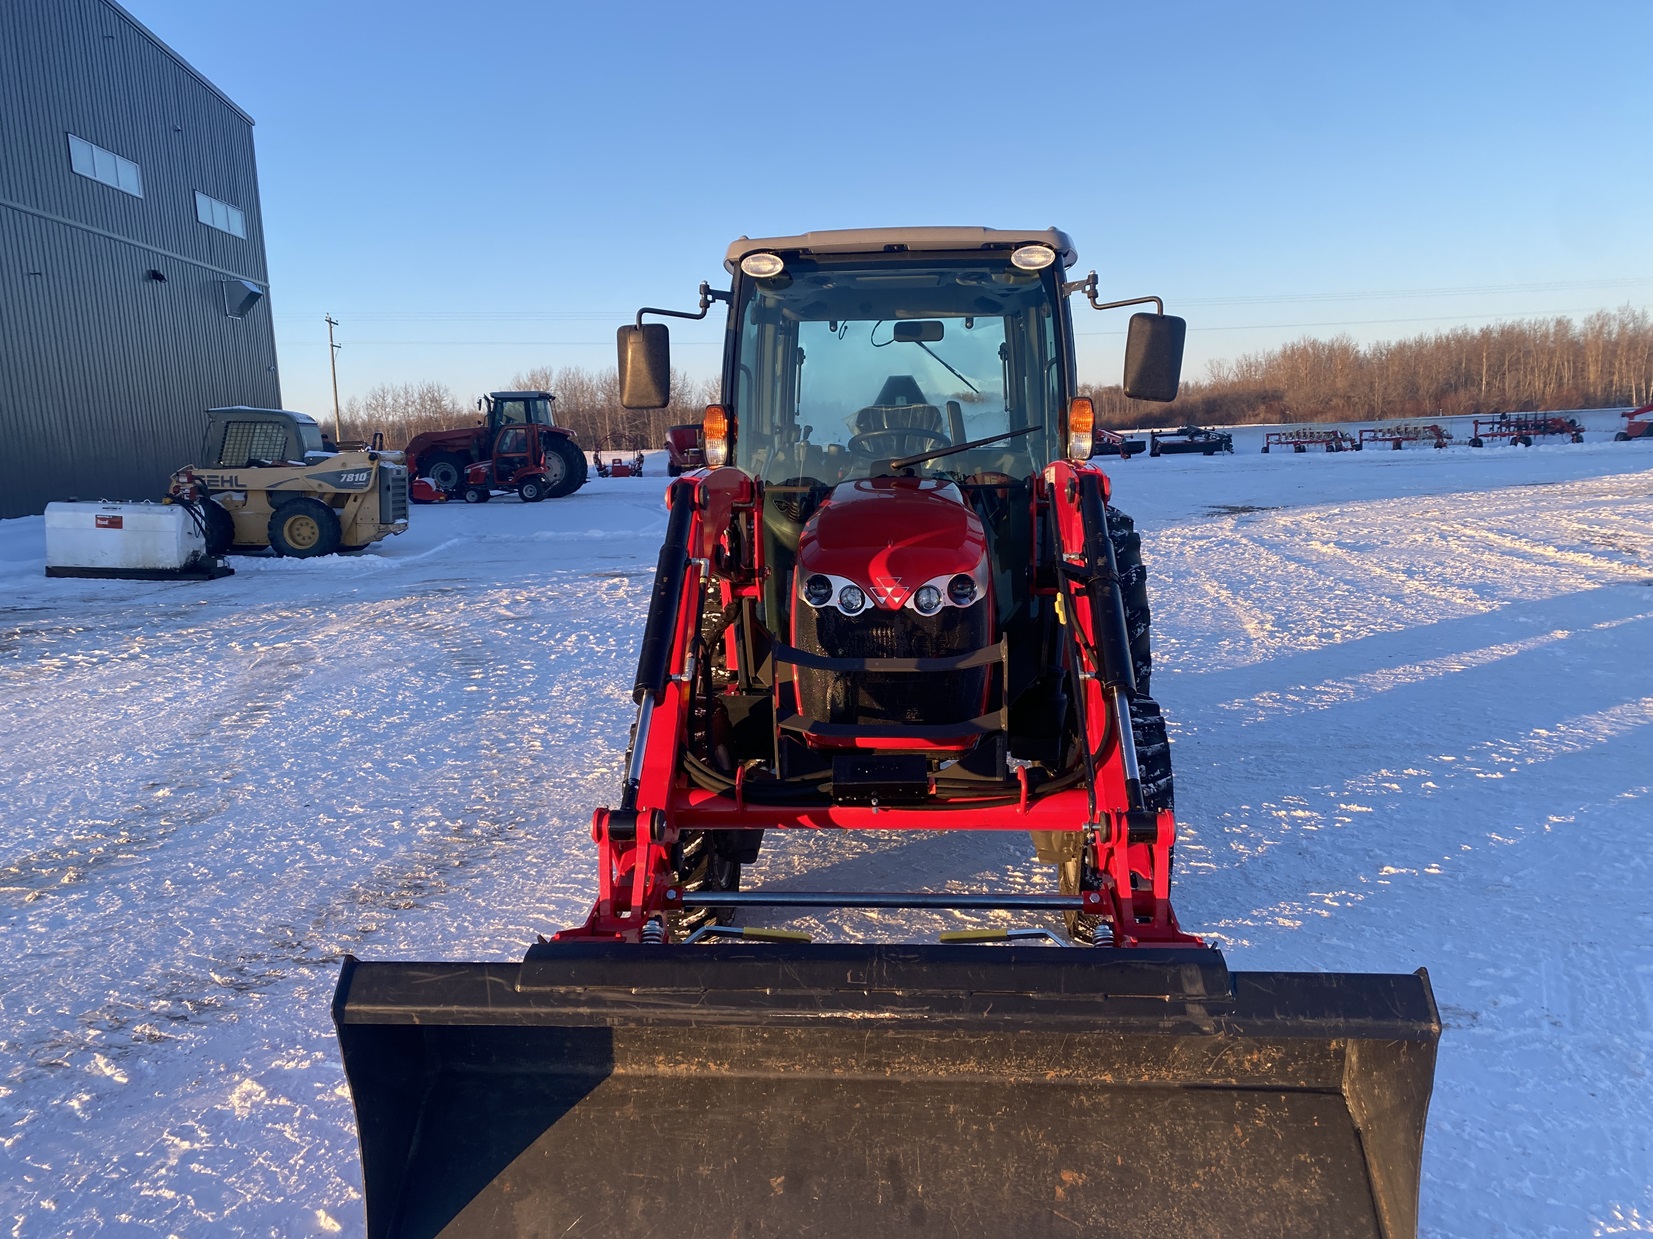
column 133, row 288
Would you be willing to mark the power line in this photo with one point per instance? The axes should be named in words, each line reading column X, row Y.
column 1193, row 328
column 617, row 316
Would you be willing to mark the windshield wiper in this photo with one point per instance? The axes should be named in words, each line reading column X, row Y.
column 950, row 369
column 906, row 462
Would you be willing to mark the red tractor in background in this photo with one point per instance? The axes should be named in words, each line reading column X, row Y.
column 516, row 446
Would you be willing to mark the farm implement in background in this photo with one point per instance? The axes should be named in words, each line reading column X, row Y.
column 1301, row 438
column 1638, row 424
column 1111, row 443
column 618, row 466
column 922, row 621
column 1189, row 441
column 1520, row 429
column 1398, row 434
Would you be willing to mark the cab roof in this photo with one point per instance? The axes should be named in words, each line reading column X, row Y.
column 302, row 418
column 918, row 240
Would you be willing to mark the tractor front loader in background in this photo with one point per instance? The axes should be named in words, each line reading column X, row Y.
column 898, row 597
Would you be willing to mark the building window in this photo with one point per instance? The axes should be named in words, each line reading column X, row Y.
column 220, row 215
column 90, row 159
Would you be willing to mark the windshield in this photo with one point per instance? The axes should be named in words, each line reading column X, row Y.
column 843, row 367
column 521, row 411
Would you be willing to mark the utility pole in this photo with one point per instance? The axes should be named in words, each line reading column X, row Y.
column 333, row 360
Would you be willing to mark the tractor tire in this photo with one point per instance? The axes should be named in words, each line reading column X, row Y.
column 446, row 471
column 700, row 866
column 532, row 490
column 477, row 494
column 1133, row 583
column 219, row 528
column 673, row 471
column 304, row 528
column 565, row 468
column 1621, row 437
column 1153, row 745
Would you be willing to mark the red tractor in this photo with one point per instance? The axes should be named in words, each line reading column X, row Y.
column 516, row 446
column 899, row 598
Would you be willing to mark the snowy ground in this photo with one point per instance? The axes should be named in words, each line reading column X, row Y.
column 1412, row 706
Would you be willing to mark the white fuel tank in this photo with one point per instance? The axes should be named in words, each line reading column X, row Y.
column 144, row 541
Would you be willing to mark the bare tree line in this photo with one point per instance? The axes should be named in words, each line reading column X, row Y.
column 1529, row 364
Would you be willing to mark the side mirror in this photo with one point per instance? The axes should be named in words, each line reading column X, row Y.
column 1153, row 356
column 645, row 357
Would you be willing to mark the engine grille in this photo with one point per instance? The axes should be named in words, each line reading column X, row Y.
column 393, row 494
column 871, row 697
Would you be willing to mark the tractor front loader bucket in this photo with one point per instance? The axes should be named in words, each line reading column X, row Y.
column 862, row 1090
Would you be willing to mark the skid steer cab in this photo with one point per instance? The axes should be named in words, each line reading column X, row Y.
column 266, row 481
column 897, row 597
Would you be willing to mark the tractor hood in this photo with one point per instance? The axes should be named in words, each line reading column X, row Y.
column 890, row 536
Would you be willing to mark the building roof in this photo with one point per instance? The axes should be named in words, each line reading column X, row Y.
column 182, row 63
column 872, row 240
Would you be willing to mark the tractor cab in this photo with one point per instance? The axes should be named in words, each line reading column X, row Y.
column 518, row 408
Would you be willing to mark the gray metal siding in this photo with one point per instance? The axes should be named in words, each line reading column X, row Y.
column 105, row 373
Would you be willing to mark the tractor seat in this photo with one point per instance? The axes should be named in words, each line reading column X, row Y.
column 901, row 406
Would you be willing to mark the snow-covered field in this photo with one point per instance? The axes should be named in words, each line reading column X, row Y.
column 1411, row 696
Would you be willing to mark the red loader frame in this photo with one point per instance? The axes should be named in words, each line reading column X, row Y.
column 711, row 541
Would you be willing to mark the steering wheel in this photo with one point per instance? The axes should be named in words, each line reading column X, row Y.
column 858, row 444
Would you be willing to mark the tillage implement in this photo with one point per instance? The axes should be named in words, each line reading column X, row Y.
column 897, row 597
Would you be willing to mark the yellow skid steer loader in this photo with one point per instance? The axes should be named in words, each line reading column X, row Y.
column 267, row 479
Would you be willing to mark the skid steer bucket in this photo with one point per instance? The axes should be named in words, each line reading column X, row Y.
column 856, row 1090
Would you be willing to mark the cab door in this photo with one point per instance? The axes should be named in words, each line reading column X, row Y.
column 511, row 453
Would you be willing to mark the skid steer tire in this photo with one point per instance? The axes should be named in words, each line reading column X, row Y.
column 219, row 528
column 565, row 468
column 304, row 529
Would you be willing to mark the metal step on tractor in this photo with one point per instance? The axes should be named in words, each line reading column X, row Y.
column 266, row 480
column 898, row 597
column 516, row 446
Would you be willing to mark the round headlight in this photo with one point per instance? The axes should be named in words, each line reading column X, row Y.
column 851, row 601
column 927, row 601
column 962, row 590
column 1029, row 257
column 817, row 591
column 763, row 266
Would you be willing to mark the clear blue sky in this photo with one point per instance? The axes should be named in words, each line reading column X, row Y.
column 474, row 189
